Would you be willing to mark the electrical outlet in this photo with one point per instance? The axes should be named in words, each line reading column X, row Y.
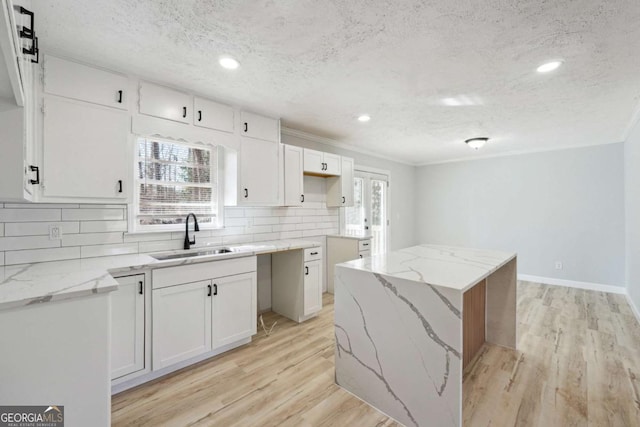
column 55, row 232
column 558, row 265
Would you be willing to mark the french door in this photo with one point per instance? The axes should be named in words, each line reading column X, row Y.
column 369, row 215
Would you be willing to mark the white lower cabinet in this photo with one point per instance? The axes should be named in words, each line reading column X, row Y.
column 127, row 326
column 181, row 322
column 342, row 249
column 312, row 287
column 234, row 308
column 199, row 317
column 296, row 283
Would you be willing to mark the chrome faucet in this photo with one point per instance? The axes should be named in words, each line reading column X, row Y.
column 187, row 242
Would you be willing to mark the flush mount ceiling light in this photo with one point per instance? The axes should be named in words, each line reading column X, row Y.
column 476, row 142
column 549, row 66
column 228, row 63
column 364, row 118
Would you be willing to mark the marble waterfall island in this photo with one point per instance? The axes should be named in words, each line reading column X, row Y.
column 408, row 322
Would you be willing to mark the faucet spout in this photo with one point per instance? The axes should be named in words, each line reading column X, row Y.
column 187, row 241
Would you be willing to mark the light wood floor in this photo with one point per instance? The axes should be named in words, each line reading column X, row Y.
column 577, row 364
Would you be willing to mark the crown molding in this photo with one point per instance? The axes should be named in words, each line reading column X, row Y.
column 332, row 142
column 513, row 153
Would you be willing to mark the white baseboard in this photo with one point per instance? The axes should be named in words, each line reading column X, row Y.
column 633, row 307
column 574, row 284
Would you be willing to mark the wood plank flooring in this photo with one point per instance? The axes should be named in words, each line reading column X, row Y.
column 578, row 364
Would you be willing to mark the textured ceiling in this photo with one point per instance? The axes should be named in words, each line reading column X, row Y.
column 319, row 64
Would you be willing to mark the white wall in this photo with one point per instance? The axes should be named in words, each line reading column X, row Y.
column 632, row 197
column 402, row 189
column 565, row 205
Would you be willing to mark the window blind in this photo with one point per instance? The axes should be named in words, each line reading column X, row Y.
column 175, row 179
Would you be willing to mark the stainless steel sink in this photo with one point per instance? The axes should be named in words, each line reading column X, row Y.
column 216, row 251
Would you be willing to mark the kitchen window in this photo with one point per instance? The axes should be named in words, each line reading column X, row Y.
column 174, row 179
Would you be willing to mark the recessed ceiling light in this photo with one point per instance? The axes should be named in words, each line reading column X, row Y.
column 549, row 66
column 364, row 118
column 228, row 63
column 476, row 142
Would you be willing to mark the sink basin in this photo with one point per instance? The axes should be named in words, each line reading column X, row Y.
column 216, row 251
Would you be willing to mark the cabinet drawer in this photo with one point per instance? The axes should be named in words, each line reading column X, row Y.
column 164, row 277
column 311, row 254
column 365, row 254
column 364, row 245
column 164, row 102
column 78, row 81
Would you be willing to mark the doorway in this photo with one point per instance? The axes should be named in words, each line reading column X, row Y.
column 369, row 214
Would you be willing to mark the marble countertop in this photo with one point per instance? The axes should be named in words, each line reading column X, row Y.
column 447, row 266
column 344, row 236
column 29, row 284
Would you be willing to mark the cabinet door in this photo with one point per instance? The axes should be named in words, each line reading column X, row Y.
column 332, row 164
column 293, row 179
column 85, row 150
column 234, row 308
column 164, row 102
column 312, row 287
column 209, row 114
column 127, row 326
column 260, row 127
column 77, row 81
column 181, row 323
column 313, row 161
column 259, row 172
column 346, row 181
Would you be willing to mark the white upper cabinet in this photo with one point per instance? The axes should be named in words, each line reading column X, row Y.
column 259, row 127
column 212, row 115
column 84, row 83
column 260, row 173
column 293, row 178
column 332, row 164
column 340, row 189
column 165, row 103
column 319, row 163
column 85, row 150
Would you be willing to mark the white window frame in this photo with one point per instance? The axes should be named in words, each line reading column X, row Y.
column 136, row 228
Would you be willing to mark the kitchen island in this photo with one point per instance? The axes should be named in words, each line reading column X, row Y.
column 408, row 322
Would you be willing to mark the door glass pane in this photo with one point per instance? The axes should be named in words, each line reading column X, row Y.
column 378, row 216
column 354, row 216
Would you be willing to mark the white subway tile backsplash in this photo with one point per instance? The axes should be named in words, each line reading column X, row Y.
column 233, row 213
column 41, row 255
column 291, row 234
column 290, row 220
column 163, row 245
column 238, row 239
column 148, row 237
column 101, row 230
column 86, row 206
column 27, row 242
column 39, row 205
column 102, row 226
column 92, row 214
column 259, row 229
column 266, row 220
column 107, row 250
column 29, row 215
column 91, row 239
column 39, row 228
